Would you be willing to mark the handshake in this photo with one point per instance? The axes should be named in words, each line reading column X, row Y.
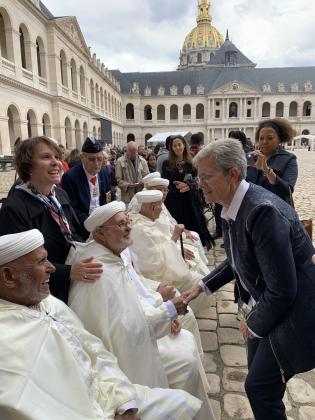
column 180, row 302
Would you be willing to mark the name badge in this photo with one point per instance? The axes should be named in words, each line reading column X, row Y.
column 94, row 192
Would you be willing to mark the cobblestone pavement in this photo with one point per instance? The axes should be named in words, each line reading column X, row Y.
column 225, row 353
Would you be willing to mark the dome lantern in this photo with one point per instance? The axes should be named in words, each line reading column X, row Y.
column 202, row 42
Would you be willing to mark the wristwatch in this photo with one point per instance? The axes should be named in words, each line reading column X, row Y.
column 268, row 171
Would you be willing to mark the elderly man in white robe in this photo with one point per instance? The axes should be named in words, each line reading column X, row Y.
column 139, row 329
column 155, row 252
column 193, row 246
column 50, row 366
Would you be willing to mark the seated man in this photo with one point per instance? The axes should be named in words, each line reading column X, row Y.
column 192, row 243
column 89, row 184
column 191, row 240
column 122, row 312
column 154, row 251
column 50, row 366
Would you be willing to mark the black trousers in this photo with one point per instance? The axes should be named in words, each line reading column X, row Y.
column 217, row 218
column 264, row 385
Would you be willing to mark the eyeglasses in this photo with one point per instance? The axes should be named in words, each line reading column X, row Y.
column 203, row 178
column 121, row 225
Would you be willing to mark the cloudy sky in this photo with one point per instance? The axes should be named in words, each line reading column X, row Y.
column 146, row 35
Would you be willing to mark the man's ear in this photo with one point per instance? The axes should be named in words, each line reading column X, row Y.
column 8, row 277
column 234, row 174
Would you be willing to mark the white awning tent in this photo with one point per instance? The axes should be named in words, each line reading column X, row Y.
column 297, row 141
column 161, row 137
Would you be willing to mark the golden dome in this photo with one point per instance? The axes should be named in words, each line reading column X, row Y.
column 204, row 35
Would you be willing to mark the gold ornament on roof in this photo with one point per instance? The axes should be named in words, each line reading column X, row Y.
column 204, row 35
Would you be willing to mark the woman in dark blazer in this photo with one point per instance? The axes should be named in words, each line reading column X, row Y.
column 38, row 203
column 275, row 169
column 269, row 254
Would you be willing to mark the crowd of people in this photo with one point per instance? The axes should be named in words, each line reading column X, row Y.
column 103, row 271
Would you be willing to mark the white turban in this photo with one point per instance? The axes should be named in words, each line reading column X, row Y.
column 102, row 214
column 16, row 245
column 157, row 182
column 150, row 176
column 149, row 196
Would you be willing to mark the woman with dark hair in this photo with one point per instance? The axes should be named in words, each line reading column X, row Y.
column 151, row 159
column 275, row 169
column 36, row 203
column 183, row 200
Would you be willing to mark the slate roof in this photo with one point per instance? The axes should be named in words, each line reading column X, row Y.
column 45, row 11
column 227, row 45
column 213, row 78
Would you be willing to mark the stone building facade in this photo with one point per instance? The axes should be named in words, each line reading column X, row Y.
column 51, row 83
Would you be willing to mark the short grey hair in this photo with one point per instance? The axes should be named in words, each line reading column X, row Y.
column 224, row 154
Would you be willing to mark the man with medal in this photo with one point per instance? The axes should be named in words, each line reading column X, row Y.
column 88, row 184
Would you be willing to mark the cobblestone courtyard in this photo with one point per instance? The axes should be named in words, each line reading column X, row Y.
column 225, row 353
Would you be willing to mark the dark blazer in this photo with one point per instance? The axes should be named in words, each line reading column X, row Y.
column 76, row 184
column 285, row 167
column 272, row 255
column 22, row 212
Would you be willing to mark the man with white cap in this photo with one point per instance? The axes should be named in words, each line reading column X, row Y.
column 154, row 250
column 42, row 339
column 193, row 246
column 129, row 318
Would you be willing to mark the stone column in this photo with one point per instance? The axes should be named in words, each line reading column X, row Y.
column 5, row 146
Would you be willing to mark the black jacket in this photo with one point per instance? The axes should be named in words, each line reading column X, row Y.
column 22, row 212
column 76, row 184
column 285, row 167
column 272, row 255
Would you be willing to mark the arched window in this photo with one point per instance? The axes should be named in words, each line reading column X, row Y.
column 31, row 124
column 14, row 124
column 102, row 98
column 63, row 68
column 233, row 110
column 161, row 112
column 112, row 105
column 187, row 112
column 305, row 140
column 188, row 59
column 293, row 109
column 200, row 112
column 92, row 91
column 130, row 135
column 147, row 137
column 41, row 58
column 148, row 112
column 265, row 113
column 94, row 131
column 105, row 100
column 97, row 94
column 199, row 58
column 174, row 112
column 77, row 132
column 68, row 133
column 26, row 57
column 82, row 82
column 130, row 112
column 99, row 135
column 85, row 130
column 109, row 104
column 6, row 39
column 307, row 109
column 74, row 80
column 279, row 109
column 46, row 125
